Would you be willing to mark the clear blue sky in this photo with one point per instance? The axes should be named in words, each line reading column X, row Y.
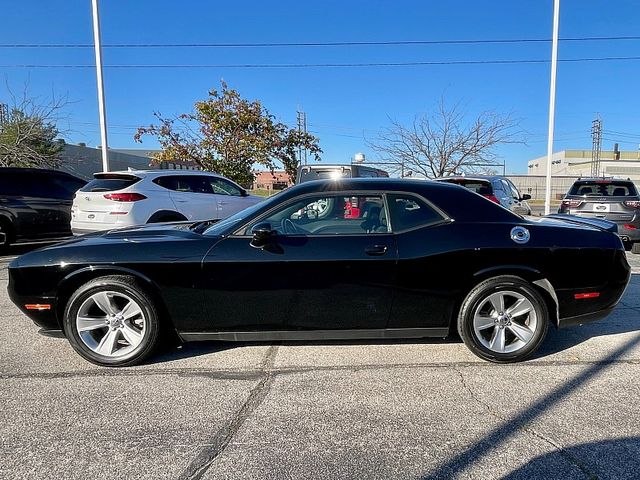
column 342, row 104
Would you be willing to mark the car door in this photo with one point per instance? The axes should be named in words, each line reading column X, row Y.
column 193, row 197
column 503, row 193
column 37, row 205
column 324, row 270
column 229, row 197
column 518, row 206
column 427, row 272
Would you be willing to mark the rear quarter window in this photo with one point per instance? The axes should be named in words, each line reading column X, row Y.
column 408, row 212
column 110, row 183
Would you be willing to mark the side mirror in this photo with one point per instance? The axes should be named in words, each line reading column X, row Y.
column 262, row 234
column 526, row 196
column 243, row 193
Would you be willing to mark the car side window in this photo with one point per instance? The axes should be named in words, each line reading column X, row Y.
column 514, row 191
column 185, row 183
column 222, row 187
column 408, row 212
column 358, row 214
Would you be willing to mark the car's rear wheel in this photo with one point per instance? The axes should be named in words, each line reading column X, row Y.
column 503, row 319
column 635, row 248
column 112, row 321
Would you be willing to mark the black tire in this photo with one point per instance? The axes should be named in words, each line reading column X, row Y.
column 627, row 246
column 118, row 285
column 635, row 248
column 478, row 298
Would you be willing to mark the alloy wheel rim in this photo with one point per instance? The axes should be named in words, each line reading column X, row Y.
column 505, row 321
column 111, row 324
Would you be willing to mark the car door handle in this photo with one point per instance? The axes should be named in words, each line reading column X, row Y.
column 376, row 250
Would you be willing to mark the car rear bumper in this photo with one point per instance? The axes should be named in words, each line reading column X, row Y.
column 82, row 228
column 585, row 318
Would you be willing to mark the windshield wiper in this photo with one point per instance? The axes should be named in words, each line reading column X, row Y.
column 200, row 227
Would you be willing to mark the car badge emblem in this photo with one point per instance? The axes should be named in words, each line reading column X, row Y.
column 88, row 199
column 520, row 235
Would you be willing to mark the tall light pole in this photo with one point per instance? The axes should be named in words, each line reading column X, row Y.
column 101, row 107
column 552, row 102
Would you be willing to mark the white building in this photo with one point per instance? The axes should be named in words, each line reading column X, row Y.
column 577, row 163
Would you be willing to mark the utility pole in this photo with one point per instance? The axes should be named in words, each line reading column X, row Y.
column 596, row 146
column 552, row 102
column 302, row 127
column 4, row 113
column 101, row 105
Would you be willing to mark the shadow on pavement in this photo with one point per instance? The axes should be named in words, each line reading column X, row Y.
column 615, row 458
column 492, row 442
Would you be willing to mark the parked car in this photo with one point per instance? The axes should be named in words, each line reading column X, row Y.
column 307, row 173
column 35, row 204
column 612, row 199
column 496, row 188
column 122, row 199
column 421, row 259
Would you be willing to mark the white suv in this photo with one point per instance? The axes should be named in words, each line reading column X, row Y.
column 122, row 199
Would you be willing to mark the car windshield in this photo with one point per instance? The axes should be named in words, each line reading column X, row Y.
column 604, row 188
column 234, row 221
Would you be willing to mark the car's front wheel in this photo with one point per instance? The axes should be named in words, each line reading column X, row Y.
column 503, row 319
column 112, row 321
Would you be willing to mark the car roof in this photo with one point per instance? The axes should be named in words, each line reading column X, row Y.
column 158, row 173
column 457, row 201
column 469, row 177
column 36, row 170
column 603, row 179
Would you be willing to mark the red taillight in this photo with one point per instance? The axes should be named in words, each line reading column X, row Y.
column 571, row 203
column 492, row 198
column 632, row 203
column 124, row 197
column 628, row 226
column 581, row 296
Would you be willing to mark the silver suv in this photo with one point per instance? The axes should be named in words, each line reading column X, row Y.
column 496, row 188
column 612, row 199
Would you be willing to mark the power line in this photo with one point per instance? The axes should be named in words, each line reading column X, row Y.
column 331, row 65
column 322, row 44
column 622, row 134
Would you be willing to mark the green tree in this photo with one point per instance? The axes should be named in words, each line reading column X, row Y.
column 27, row 139
column 229, row 135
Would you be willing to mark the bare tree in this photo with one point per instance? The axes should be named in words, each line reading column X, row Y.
column 29, row 131
column 444, row 143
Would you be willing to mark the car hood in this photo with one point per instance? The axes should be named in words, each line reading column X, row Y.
column 133, row 244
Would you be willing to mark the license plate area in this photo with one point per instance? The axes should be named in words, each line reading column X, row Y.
column 601, row 207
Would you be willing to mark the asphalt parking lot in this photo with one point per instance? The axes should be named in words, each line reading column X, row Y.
column 415, row 409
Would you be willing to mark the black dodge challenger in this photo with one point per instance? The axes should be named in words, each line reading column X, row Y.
column 353, row 258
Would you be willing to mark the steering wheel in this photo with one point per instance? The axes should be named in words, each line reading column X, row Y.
column 289, row 227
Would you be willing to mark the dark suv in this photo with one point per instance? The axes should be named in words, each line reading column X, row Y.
column 611, row 199
column 35, row 204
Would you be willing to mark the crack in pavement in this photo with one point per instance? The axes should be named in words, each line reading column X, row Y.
column 253, row 374
column 207, row 455
column 572, row 459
